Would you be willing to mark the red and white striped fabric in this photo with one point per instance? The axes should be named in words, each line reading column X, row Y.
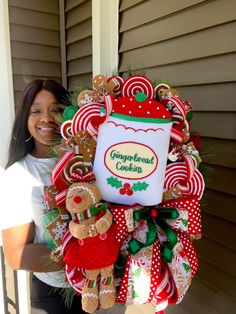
column 74, row 275
column 176, row 136
column 191, row 166
column 58, row 170
column 177, row 103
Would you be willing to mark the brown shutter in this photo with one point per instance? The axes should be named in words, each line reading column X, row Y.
column 35, row 41
column 78, row 18
column 191, row 44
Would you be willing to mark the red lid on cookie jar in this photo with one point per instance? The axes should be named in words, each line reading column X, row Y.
column 137, row 103
column 140, row 107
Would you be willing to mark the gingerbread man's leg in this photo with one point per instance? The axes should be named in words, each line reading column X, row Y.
column 90, row 291
column 107, row 292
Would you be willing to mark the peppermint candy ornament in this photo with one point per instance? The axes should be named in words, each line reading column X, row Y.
column 138, row 83
column 82, row 121
column 66, row 132
column 177, row 175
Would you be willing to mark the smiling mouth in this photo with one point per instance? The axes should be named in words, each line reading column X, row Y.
column 51, row 129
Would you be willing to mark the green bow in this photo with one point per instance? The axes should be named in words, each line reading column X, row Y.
column 159, row 215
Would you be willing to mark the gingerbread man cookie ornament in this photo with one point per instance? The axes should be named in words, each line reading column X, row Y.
column 93, row 246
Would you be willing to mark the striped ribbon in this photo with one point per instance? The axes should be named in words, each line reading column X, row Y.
column 176, row 135
column 56, row 177
column 190, row 163
column 177, row 103
column 107, row 280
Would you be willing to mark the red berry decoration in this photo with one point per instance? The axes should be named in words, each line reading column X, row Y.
column 130, row 192
column 122, row 191
column 127, row 186
column 154, row 213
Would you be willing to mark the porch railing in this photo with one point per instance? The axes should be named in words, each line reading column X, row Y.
column 13, row 281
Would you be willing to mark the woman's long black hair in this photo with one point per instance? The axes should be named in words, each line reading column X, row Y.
column 19, row 146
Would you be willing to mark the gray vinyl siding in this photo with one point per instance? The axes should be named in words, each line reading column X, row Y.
column 191, row 45
column 35, row 41
column 78, row 20
column 35, row 50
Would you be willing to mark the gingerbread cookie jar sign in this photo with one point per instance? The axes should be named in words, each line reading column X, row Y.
column 132, row 146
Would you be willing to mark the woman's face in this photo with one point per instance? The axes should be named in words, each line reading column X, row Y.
column 43, row 122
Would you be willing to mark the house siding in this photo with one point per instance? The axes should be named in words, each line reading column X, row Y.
column 191, row 45
column 78, row 20
column 35, row 51
column 35, row 41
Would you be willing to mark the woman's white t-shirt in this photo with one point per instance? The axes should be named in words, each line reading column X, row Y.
column 22, row 189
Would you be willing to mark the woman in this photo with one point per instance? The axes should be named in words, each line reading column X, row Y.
column 35, row 130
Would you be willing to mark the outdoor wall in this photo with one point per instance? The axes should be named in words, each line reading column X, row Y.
column 78, row 27
column 35, row 53
column 35, row 41
column 191, row 44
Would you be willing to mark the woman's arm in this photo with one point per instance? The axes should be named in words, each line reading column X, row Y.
column 22, row 253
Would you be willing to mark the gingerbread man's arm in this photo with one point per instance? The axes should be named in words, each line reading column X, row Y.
column 78, row 231
column 104, row 223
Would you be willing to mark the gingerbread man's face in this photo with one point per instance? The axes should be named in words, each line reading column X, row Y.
column 81, row 196
column 99, row 82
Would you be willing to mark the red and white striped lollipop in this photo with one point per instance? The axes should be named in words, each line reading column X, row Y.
column 177, row 175
column 66, row 129
column 89, row 117
column 159, row 88
column 74, row 169
column 82, row 120
column 137, row 83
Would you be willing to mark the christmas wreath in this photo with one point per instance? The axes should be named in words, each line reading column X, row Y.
column 127, row 187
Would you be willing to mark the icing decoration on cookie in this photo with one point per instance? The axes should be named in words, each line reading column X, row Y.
column 99, row 82
column 172, row 193
column 85, row 145
column 85, row 97
column 64, row 147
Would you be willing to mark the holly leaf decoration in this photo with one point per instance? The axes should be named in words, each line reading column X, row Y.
column 185, row 222
column 134, row 294
column 114, row 182
column 139, row 186
column 137, row 272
